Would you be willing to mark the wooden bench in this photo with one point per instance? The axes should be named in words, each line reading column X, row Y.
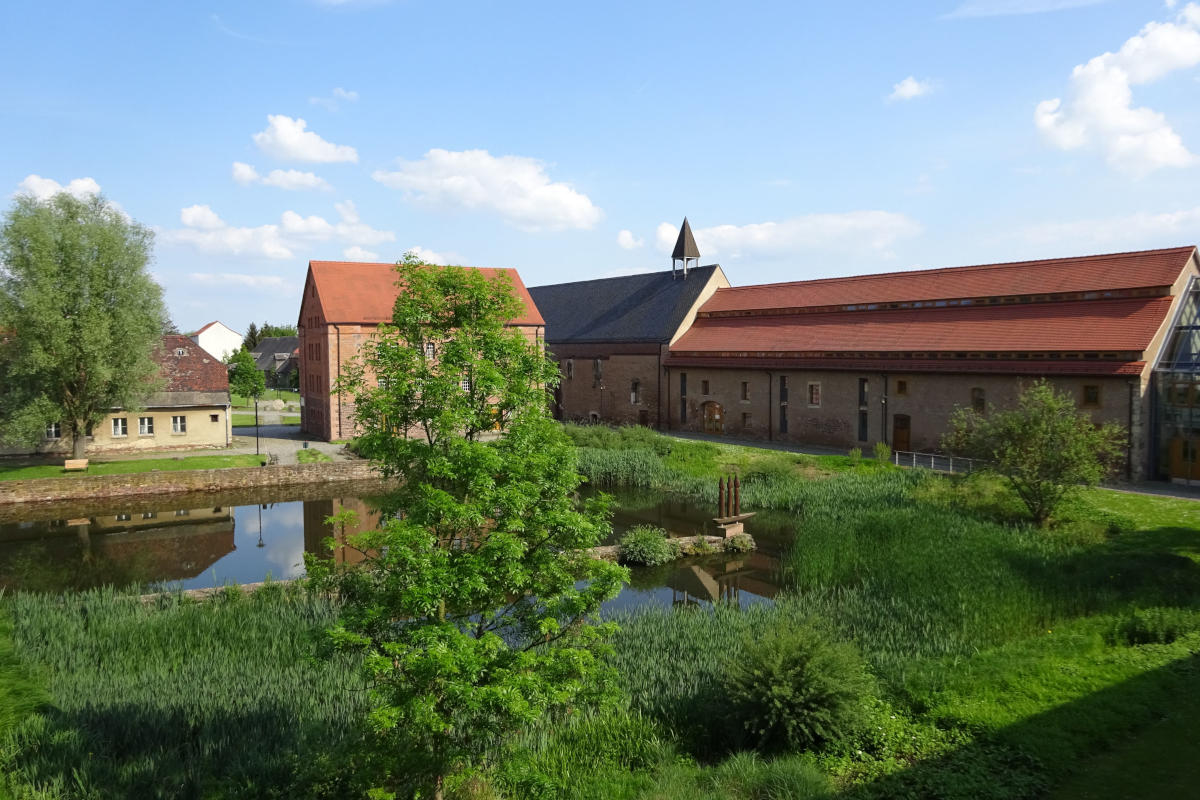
column 72, row 464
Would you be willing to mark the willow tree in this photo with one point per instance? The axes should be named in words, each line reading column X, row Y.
column 80, row 317
column 475, row 605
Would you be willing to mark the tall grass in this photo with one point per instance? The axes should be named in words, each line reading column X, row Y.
column 180, row 699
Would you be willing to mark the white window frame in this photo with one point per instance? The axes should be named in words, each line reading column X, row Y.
column 430, row 350
column 808, row 394
column 179, row 424
column 53, row 430
column 145, row 426
column 120, row 427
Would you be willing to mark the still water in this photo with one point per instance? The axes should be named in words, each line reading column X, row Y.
column 205, row 540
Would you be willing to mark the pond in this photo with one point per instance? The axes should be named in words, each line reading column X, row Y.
column 205, row 540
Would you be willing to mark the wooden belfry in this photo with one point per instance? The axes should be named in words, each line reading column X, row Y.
column 729, row 517
column 686, row 253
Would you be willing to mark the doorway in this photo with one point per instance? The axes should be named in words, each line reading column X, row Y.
column 714, row 418
column 901, row 439
column 1183, row 460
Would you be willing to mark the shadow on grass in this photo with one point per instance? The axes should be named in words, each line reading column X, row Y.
column 1026, row 759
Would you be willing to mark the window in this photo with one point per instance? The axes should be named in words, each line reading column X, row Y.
column 783, row 395
column 570, row 368
column 814, row 395
column 745, row 420
column 704, row 387
column 1091, row 396
column 53, row 430
column 902, row 388
column 745, row 390
column 978, row 400
column 145, row 426
column 783, row 418
column 149, row 515
column 183, row 512
column 465, row 384
column 120, row 426
column 862, row 426
column 862, row 392
column 597, row 371
column 683, row 397
column 635, row 392
column 123, row 517
column 214, row 417
column 429, row 350
column 178, row 424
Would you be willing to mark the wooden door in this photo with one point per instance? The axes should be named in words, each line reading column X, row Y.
column 1184, row 458
column 714, row 418
column 900, row 432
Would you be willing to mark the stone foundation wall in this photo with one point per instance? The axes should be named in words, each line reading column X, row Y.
column 142, row 484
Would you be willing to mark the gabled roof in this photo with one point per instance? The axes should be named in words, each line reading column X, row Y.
column 633, row 308
column 194, row 371
column 265, row 351
column 1116, row 271
column 365, row 292
column 1096, row 325
column 685, row 245
column 213, row 324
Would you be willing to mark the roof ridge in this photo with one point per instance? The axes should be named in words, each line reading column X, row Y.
column 965, row 267
column 392, row 264
column 621, row 277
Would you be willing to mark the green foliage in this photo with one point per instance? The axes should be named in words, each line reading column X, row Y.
column 312, row 456
column 702, row 547
column 1044, row 446
column 741, row 543
column 647, row 545
column 86, row 316
column 795, row 689
column 1153, row 626
column 255, row 334
column 126, row 467
column 244, row 376
column 487, row 566
column 855, row 455
column 883, row 452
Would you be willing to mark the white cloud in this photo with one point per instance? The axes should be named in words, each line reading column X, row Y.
column 206, row 231
column 1099, row 107
column 239, row 279
column 338, row 97
column 286, row 138
column 290, row 179
column 872, row 232
column 428, row 256
column 909, row 88
column 45, row 188
column 516, row 187
column 1128, row 232
column 357, row 253
column 628, row 241
column 1004, row 8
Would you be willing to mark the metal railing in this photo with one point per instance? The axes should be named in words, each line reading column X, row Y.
column 935, row 461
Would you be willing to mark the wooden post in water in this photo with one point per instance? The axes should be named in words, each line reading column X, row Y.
column 721, row 497
column 737, row 497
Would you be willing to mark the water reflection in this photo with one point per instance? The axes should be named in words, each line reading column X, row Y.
column 203, row 542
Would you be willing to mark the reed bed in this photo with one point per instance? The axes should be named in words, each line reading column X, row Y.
column 176, row 698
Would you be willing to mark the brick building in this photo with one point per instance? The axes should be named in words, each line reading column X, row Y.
column 610, row 337
column 886, row 358
column 343, row 304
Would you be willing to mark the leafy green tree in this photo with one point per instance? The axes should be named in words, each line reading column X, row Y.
column 80, row 317
column 1044, row 446
column 475, row 606
column 245, row 379
column 250, row 341
column 268, row 331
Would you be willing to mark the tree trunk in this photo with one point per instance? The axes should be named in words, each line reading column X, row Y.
column 437, row 788
column 78, row 439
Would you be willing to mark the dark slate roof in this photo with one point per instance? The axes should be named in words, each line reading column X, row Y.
column 264, row 352
column 632, row 308
column 685, row 245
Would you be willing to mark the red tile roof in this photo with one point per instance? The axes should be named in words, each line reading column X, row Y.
column 896, row 365
column 1057, row 275
column 358, row 292
column 194, row 371
column 1097, row 325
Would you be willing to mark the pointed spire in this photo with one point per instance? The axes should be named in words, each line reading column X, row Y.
column 685, row 245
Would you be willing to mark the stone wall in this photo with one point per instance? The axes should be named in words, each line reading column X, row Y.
column 158, row 484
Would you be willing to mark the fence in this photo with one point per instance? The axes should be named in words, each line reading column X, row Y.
column 935, row 461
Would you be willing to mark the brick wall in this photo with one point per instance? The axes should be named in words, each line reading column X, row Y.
column 610, row 398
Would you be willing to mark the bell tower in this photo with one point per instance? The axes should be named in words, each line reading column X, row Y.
column 685, row 254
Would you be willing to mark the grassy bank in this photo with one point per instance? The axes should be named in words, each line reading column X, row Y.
column 160, row 464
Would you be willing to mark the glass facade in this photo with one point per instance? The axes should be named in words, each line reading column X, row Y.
column 1175, row 395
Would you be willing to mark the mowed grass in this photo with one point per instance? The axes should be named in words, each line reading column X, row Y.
column 286, row 395
column 312, row 456
column 247, row 420
column 134, row 465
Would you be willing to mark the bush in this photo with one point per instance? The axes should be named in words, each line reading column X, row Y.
column 883, row 453
column 741, row 543
column 648, row 546
column 855, row 455
column 1154, row 626
column 796, row 689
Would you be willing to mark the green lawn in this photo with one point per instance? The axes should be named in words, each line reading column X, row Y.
column 290, row 419
column 286, row 395
column 124, row 467
column 247, row 420
column 309, row 456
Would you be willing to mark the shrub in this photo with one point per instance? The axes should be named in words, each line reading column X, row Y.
column 741, row 543
column 647, row 545
column 883, row 453
column 702, row 547
column 796, row 689
column 855, row 455
column 1154, row 626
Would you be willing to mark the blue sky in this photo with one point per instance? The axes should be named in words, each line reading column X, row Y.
column 568, row 140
